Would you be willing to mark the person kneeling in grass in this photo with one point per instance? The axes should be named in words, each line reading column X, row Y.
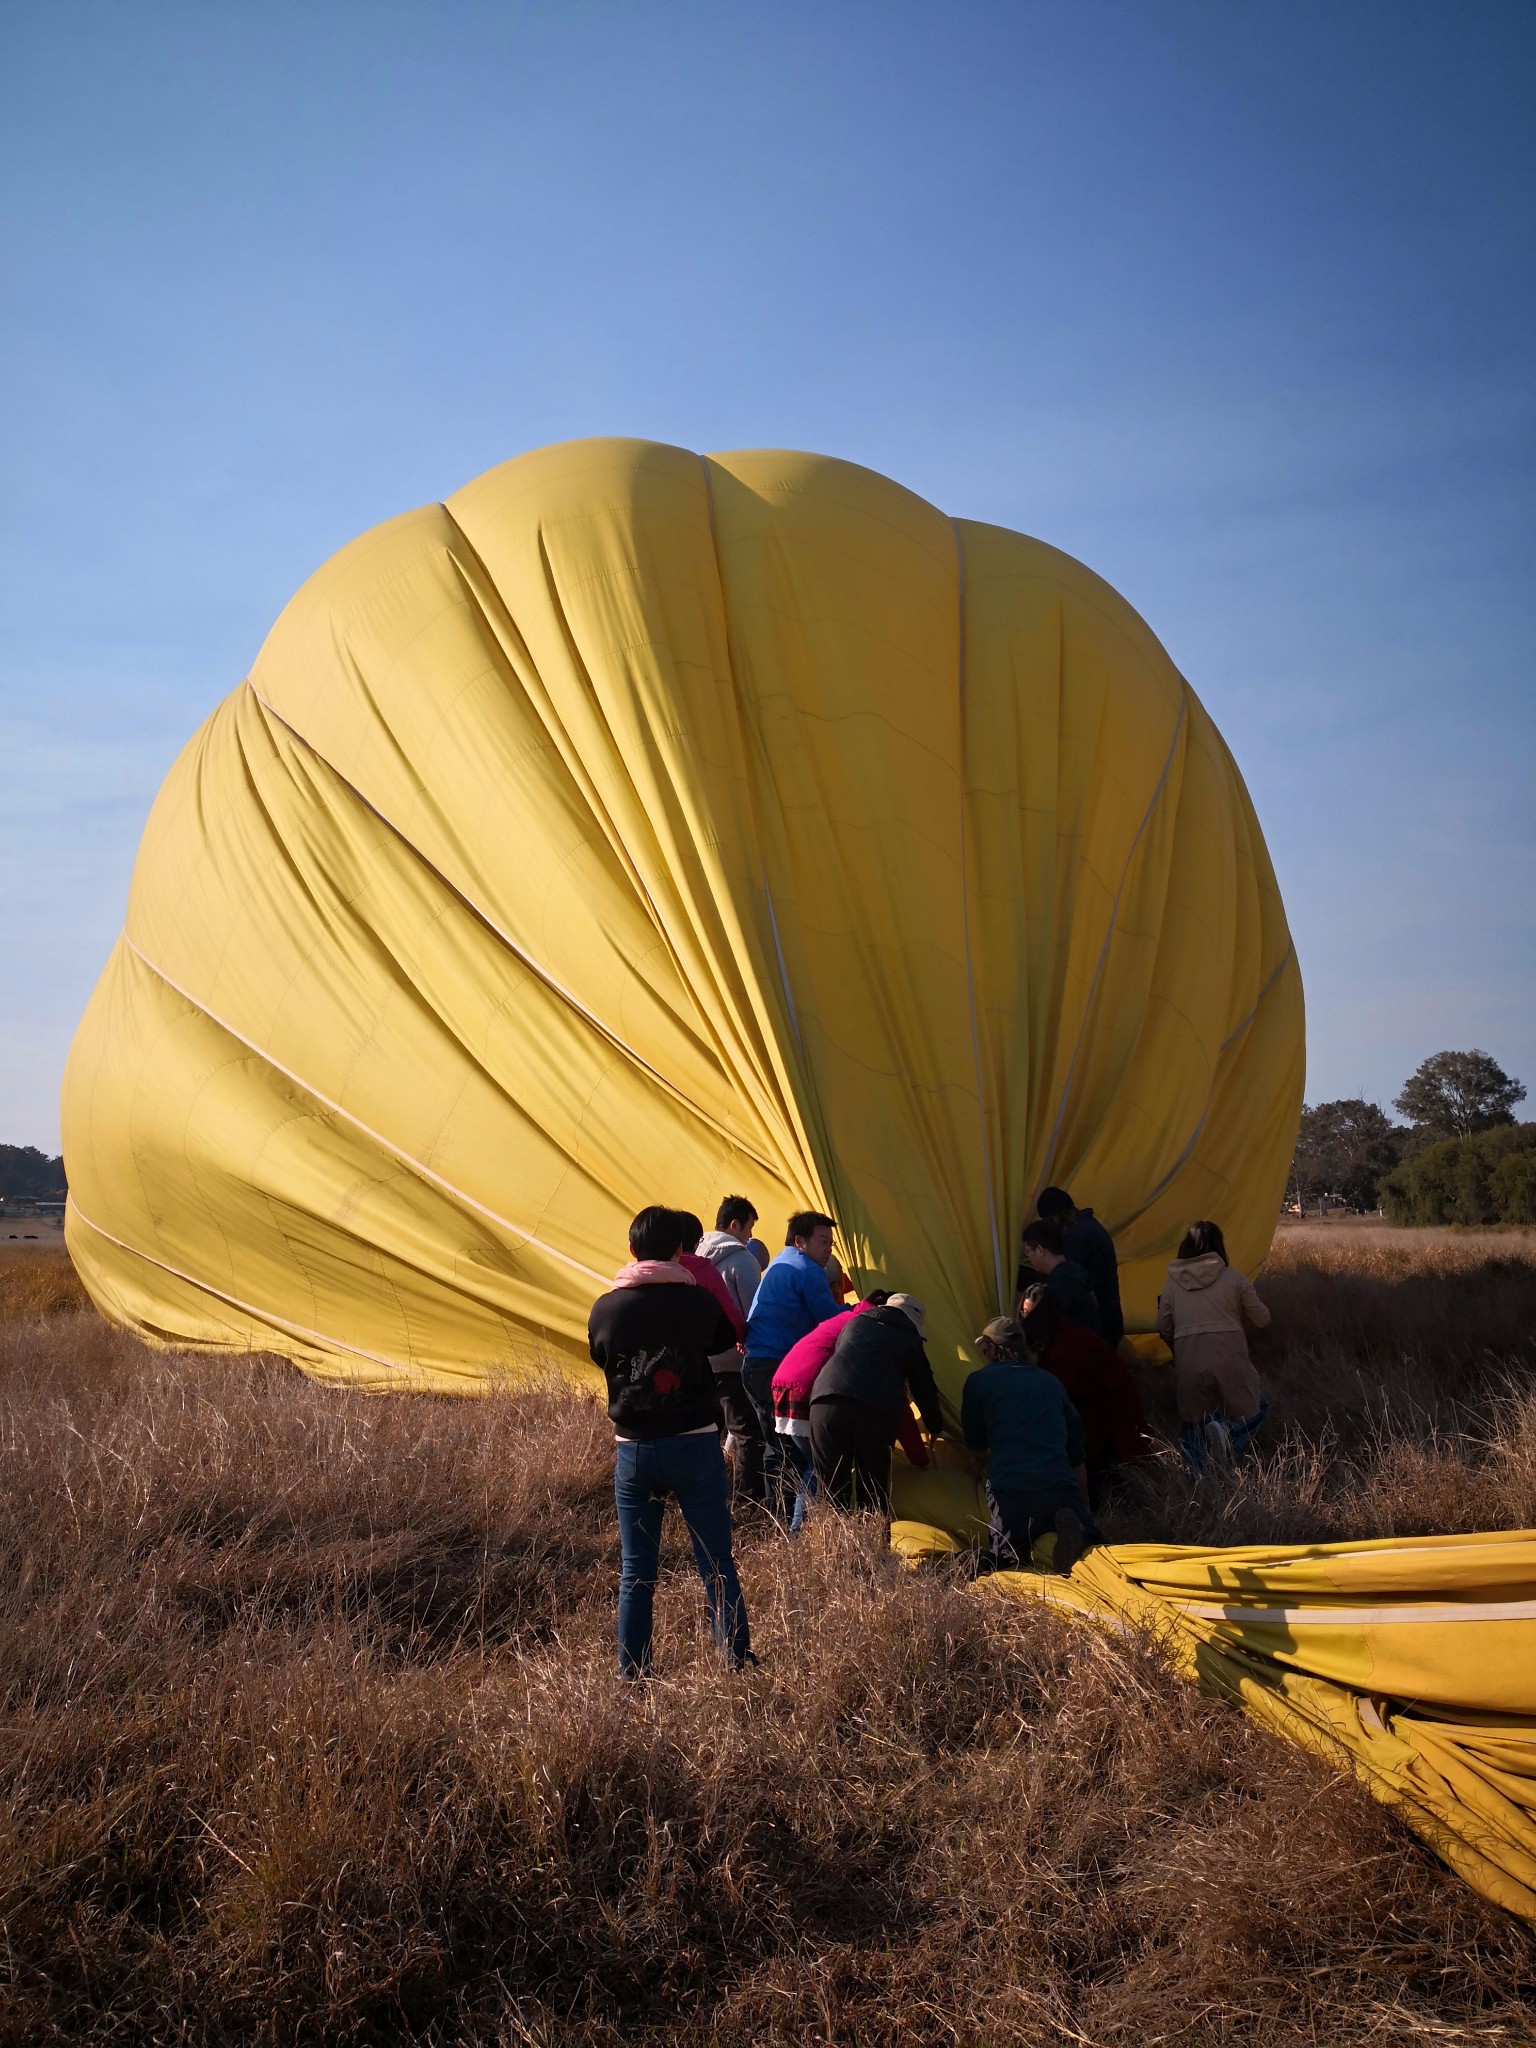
column 653, row 1335
column 1021, row 1428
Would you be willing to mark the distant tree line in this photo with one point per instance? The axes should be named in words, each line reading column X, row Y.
column 29, row 1175
column 1460, row 1156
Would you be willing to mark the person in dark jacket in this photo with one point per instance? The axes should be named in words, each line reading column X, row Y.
column 653, row 1335
column 1045, row 1259
column 860, row 1397
column 1021, row 1428
column 1088, row 1244
column 1099, row 1385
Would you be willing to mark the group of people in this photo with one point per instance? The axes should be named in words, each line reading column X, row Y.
column 711, row 1347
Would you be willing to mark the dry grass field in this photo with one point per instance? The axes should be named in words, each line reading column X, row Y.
column 310, row 1734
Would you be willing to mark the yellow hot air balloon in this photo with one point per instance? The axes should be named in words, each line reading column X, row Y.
column 645, row 826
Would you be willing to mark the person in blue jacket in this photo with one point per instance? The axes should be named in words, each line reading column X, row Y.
column 1021, row 1429
column 792, row 1298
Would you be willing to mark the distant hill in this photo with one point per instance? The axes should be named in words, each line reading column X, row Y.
column 30, row 1175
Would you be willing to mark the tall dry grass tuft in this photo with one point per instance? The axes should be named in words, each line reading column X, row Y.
column 310, row 1733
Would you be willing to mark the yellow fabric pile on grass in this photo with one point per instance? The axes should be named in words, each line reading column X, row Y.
column 644, row 826
column 1413, row 1662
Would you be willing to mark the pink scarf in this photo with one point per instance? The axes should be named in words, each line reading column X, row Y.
column 653, row 1273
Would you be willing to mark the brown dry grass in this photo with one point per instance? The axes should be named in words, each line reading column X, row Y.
column 310, row 1734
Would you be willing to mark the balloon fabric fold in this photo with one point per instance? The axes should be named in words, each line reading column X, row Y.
column 644, row 826
column 1410, row 1662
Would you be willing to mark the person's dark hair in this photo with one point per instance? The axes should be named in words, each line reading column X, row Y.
column 693, row 1229
column 1201, row 1238
column 803, row 1222
column 1055, row 1203
column 735, row 1209
column 1047, row 1235
column 1042, row 1318
column 877, row 1297
column 656, row 1233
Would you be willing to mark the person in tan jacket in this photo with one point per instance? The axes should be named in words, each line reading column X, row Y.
column 1203, row 1315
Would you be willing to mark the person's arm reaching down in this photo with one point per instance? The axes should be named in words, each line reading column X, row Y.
column 1255, row 1314
column 924, row 1389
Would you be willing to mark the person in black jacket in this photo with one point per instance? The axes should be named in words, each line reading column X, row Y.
column 860, row 1396
column 1066, row 1283
column 1086, row 1242
column 653, row 1335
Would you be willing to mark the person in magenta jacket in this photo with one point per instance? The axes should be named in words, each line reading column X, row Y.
column 793, row 1382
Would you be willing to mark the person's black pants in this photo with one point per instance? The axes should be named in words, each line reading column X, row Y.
column 746, row 1434
column 851, row 1445
column 1019, row 1519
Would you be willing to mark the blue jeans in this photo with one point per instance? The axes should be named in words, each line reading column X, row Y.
column 1219, row 1435
column 692, row 1470
column 797, row 1458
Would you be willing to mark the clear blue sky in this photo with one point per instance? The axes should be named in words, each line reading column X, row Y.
column 1235, row 301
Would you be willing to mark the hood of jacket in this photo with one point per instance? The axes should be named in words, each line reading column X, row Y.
column 1197, row 1273
column 719, row 1247
column 653, row 1273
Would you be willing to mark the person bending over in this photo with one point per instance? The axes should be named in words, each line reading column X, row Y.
column 1066, row 1282
column 792, row 1297
column 860, row 1398
column 653, row 1335
column 1021, row 1429
column 1088, row 1244
column 1201, row 1316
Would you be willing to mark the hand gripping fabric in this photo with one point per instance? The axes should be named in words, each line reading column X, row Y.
column 1411, row 1662
column 638, row 826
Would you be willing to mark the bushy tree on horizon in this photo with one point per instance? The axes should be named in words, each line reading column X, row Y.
column 1344, row 1148
column 29, row 1175
column 1456, row 1095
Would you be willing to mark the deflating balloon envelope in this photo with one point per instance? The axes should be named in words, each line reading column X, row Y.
column 644, row 826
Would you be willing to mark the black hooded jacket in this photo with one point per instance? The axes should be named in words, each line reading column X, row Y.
column 654, row 1345
column 878, row 1357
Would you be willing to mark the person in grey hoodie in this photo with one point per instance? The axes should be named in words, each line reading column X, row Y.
column 1204, row 1314
column 727, row 1249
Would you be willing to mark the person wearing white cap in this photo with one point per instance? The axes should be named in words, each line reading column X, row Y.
column 860, row 1397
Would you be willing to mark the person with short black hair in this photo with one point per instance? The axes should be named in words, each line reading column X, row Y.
column 860, row 1399
column 1045, row 1257
column 738, row 1216
column 1023, row 1431
column 1201, row 1316
column 792, row 1297
column 1086, row 1242
column 653, row 1335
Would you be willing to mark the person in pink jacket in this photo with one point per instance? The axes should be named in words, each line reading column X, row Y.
column 1203, row 1315
column 793, row 1382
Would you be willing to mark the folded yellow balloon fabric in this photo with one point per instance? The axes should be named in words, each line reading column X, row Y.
column 645, row 826
column 1412, row 1662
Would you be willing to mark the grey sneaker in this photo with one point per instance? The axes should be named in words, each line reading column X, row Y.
column 1218, row 1442
column 1072, row 1539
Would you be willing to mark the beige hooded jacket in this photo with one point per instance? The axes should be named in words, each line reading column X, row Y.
column 1201, row 1313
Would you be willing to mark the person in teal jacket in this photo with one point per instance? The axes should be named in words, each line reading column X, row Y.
column 1021, row 1428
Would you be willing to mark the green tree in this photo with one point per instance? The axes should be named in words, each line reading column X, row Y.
column 1457, row 1094
column 1343, row 1148
column 1487, row 1178
column 30, row 1174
